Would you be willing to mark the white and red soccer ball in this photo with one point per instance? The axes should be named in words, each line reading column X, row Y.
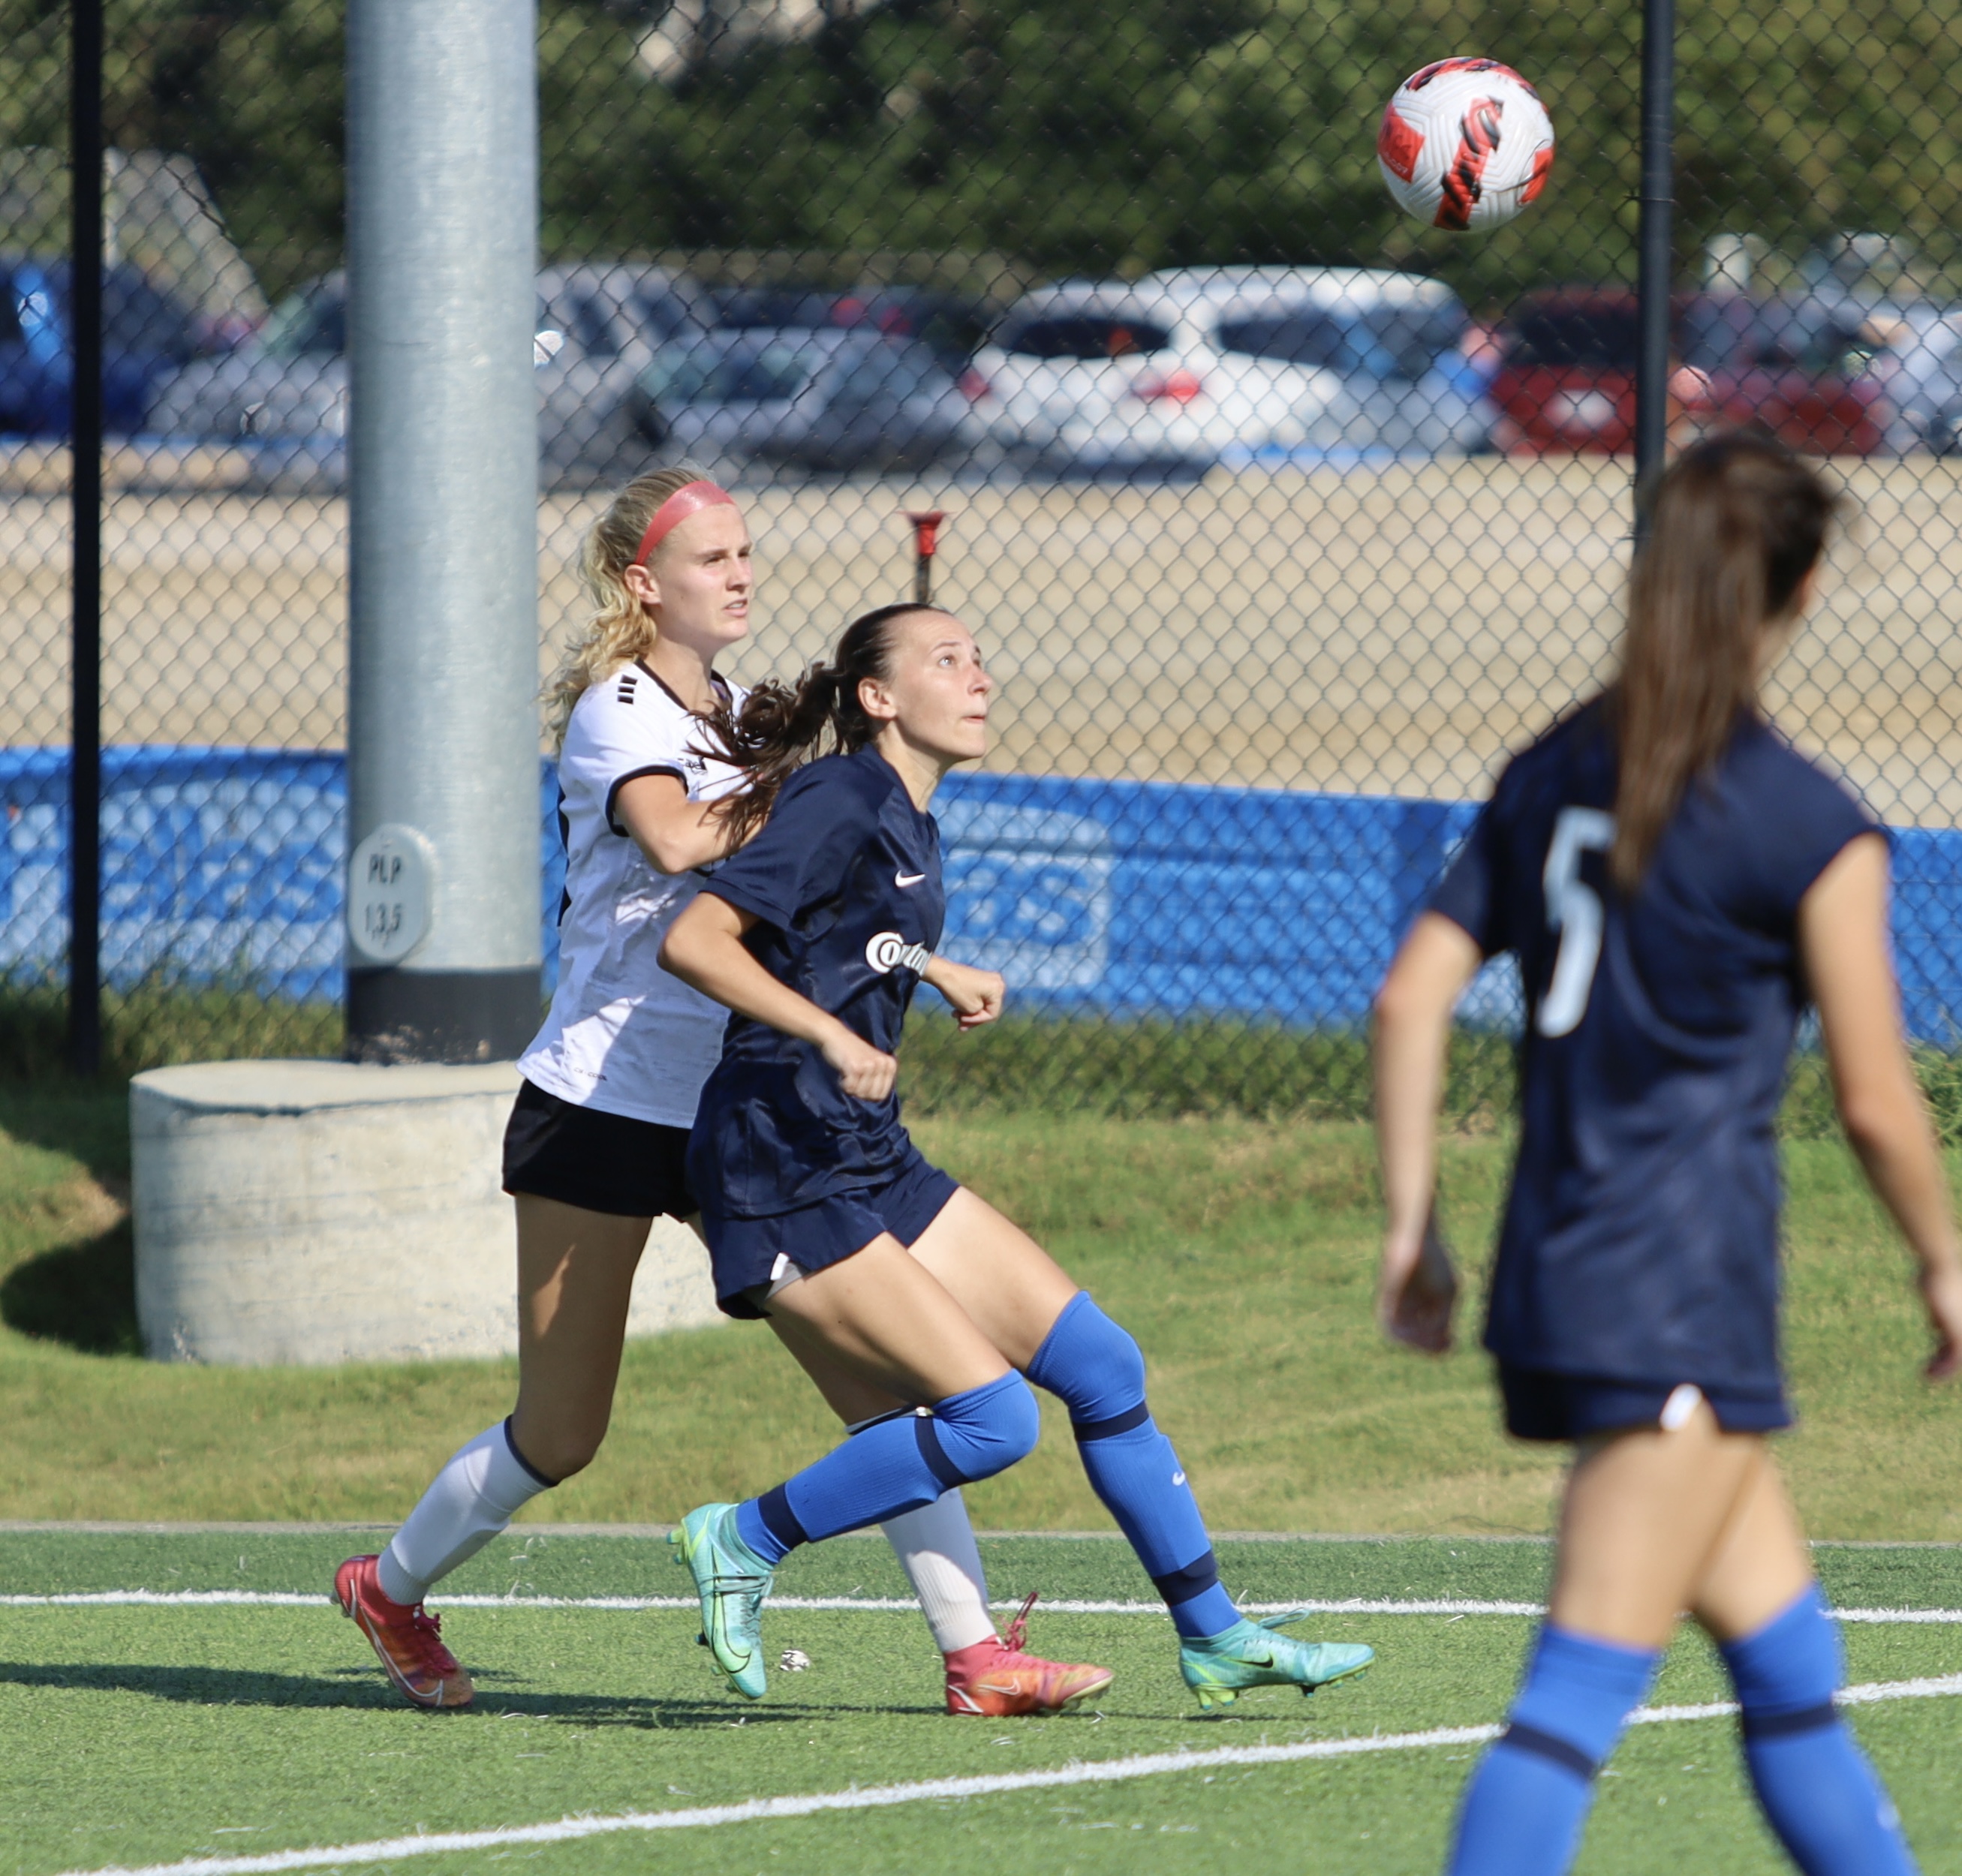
column 1465, row 143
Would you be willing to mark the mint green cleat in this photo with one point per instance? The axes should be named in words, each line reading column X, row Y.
column 733, row 1581
column 1219, row 1668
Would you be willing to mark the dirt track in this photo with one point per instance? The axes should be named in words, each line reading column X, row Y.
column 1387, row 631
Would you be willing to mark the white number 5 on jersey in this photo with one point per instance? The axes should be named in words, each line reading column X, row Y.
column 1574, row 910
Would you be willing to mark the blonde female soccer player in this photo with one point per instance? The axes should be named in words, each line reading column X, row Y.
column 823, row 1216
column 596, row 1145
column 1676, row 882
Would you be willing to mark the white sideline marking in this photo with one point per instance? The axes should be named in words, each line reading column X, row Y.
column 1111, row 1772
column 1348, row 1605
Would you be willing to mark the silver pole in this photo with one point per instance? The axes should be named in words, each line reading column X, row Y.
column 443, row 723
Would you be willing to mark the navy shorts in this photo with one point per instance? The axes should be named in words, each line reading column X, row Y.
column 1543, row 1406
column 628, row 1169
column 749, row 1255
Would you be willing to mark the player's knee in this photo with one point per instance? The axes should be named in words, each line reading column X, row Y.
column 554, row 1454
column 1793, row 1664
column 1093, row 1366
column 984, row 1431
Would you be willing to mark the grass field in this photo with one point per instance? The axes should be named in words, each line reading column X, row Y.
column 1238, row 1252
column 225, row 1733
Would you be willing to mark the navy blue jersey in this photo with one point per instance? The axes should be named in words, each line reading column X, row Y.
column 1641, row 1238
column 844, row 881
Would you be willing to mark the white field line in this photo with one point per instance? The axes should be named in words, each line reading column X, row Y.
column 1349, row 1605
column 874, row 1797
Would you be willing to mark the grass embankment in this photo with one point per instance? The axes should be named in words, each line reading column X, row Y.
column 1238, row 1250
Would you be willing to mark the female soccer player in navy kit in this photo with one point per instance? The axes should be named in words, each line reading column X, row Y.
column 821, row 1213
column 1675, row 881
column 597, row 1137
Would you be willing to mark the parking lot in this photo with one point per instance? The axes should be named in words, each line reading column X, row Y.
column 1385, row 630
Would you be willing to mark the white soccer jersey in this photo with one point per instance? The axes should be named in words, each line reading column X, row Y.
column 623, row 1035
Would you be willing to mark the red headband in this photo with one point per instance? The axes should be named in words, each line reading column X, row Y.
column 690, row 498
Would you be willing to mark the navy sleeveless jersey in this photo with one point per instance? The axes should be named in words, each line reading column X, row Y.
column 1641, row 1237
column 844, row 882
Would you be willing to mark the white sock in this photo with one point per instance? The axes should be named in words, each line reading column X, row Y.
column 475, row 1495
column 935, row 1547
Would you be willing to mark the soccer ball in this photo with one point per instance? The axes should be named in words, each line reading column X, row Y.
column 1465, row 143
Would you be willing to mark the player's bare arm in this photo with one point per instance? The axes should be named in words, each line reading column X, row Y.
column 1415, row 1291
column 976, row 995
column 676, row 835
column 1843, row 924
column 705, row 949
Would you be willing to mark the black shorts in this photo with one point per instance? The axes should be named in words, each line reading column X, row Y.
column 1543, row 1406
column 629, row 1168
column 745, row 1252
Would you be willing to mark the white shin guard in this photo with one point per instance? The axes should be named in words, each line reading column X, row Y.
column 935, row 1547
column 475, row 1495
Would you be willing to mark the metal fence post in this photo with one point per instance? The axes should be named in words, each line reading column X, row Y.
column 85, row 879
column 442, row 736
column 1656, row 237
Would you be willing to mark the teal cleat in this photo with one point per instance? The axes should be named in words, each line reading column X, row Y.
column 733, row 1581
column 1220, row 1668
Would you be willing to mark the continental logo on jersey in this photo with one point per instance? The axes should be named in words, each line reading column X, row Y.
column 888, row 951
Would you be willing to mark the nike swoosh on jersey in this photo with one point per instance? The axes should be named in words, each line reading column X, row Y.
column 908, row 879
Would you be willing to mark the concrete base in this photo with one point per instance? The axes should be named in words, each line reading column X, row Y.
column 314, row 1212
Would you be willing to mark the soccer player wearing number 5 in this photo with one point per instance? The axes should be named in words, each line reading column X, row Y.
column 599, row 1133
column 1675, row 881
column 821, row 1214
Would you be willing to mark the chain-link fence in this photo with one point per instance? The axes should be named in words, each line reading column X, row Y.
column 1282, row 517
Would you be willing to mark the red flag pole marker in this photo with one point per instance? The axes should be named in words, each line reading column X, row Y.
column 926, row 542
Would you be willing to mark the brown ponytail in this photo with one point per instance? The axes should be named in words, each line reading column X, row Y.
column 782, row 725
column 1735, row 524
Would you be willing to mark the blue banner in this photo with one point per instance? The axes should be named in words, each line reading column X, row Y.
column 1129, row 898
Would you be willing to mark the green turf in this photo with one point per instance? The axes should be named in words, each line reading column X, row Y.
column 140, row 1734
column 1239, row 1251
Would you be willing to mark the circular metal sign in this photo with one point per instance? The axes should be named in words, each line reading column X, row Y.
column 391, row 886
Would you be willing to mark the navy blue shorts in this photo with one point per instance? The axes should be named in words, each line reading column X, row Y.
column 1541, row 1406
column 748, row 1254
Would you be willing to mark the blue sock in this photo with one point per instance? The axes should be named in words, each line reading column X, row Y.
column 1815, row 1786
column 895, row 1465
column 1525, row 1806
column 1094, row 1369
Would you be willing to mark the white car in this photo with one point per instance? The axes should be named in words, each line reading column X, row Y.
column 1112, row 379
column 1393, row 339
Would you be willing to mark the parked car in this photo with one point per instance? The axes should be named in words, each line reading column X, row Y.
column 1396, row 340
column 1917, row 363
column 834, row 399
column 1567, row 372
column 147, row 334
column 285, row 396
column 953, row 326
column 1110, row 379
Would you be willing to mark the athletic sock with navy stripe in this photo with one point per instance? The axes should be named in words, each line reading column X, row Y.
column 1525, row 1806
column 1815, row 1786
column 894, row 1465
column 1094, row 1368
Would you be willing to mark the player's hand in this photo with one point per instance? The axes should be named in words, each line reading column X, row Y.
column 865, row 1073
column 1942, row 1292
column 1417, row 1291
column 977, row 996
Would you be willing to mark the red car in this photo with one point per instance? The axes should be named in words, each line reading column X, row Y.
column 1566, row 379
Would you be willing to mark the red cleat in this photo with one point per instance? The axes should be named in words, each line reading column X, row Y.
column 996, row 1679
column 406, row 1636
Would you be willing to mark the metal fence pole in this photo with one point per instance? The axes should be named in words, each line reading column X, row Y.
column 85, row 880
column 1656, row 236
column 444, row 909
